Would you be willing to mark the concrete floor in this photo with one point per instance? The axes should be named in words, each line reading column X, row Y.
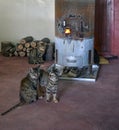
column 82, row 106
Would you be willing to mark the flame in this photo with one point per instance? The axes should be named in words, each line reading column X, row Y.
column 67, row 31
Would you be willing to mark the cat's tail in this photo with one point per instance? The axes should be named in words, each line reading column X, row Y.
column 12, row 108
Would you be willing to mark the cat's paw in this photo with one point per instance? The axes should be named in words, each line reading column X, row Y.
column 48, row 100
column 41, row 97
column 55, row 101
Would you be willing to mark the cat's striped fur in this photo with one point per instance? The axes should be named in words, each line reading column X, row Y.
column 29, row 89
column 49, row 79
column 52, row 86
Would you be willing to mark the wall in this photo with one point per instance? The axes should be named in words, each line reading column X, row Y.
column 21, row 18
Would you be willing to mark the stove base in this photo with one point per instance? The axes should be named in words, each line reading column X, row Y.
column 85, row 76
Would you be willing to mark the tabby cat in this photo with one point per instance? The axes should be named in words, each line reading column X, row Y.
column 29, row 89
column 49, row 79
column 51, row 87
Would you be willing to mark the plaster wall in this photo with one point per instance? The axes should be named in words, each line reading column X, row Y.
column 21, row 18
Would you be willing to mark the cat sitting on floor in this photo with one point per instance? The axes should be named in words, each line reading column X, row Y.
column 49, row 80
column 51, row 87
column 30, row 90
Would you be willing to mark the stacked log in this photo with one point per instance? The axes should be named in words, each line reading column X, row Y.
column 23, row 48
column 41, row 46
column 7, row 48
column 46, row 40
column 49, row 52
column 27, row 47
column 33, row 44
column 37, row 52
column 26, row 39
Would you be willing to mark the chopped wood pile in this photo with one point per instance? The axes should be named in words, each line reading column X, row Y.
column 26, row 47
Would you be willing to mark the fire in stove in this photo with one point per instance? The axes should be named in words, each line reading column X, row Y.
column 67, row 31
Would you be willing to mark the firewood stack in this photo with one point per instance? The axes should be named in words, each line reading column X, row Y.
column 27, row 47
column 23, row 48
column 7, row 48
column 36, row 53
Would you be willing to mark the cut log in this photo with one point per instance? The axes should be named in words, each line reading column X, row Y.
column 24, row 49
column 27, row 45
column 35, row 57
column 49, row 52
column 40, row 43
column 22, row 53
column 4, row 45
column 26, row 39
column 16, row 53
column 33, row 44
column 28, row 49
column 27, row 54
column 7, row 48
column 41, row 49
column 19, row 47
column 47, row 40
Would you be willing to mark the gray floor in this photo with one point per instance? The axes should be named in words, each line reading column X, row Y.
column 82, row 106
